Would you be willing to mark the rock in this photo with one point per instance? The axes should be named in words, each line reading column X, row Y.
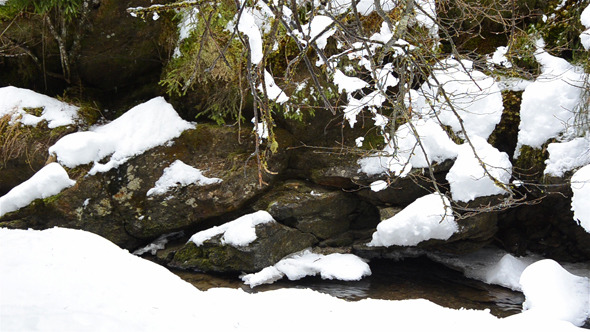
column 474, row 232
column 115, row 205
column 274, row 241
column 313, row 209
column 545, row 226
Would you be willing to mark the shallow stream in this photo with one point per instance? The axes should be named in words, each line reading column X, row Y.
column 410, row 278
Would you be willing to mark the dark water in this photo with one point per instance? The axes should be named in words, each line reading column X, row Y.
column 393, row 280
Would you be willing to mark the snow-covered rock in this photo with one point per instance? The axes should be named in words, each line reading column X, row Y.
column 467, row 177
column 48, row 181
column 548, row 104
column 246, row 244
column 144, row 126
column 16, row 101
column 429, row 217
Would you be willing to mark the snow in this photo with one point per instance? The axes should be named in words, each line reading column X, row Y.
column 364, row 7
column 237, row 233
column 548, row 104
column 428, row 217
column 273, row 91
column 580, row 184
column 566, row 156
column 437, row 145
column 247, row 26
column 317, row 29
column 15, row 102
column 158, row 244
column 346, row 267
column 180, row 174
column 260, row 128
column 48, row 181
column 378, row 185
column 551, row 291
column 426, row 16
column 499, row 57
column 506, row 272
column 143, row 127
column 467, row 178
column 585, row 36
column 474, row 96
column 349, row 84
column 61, row 279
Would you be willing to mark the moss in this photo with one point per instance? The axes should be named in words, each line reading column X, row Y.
column 505, row 134
column 530, row 164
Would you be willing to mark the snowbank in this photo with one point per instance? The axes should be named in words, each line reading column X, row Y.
column 239, row 232
column 428, row 217
column 60, row 279
column 15, row 101
column 346, row 267
column 467, row 177
column 141, row 128
column 548, row 104
column 580, row 183
column 180, row 174
column 551, row 291
column 48, row 181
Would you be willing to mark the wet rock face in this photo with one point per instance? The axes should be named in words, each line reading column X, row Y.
column 274, row 241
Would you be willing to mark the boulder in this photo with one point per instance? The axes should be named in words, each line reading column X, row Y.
column 274, row 241
column 115, row 204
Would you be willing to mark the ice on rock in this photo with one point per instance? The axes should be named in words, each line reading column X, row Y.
column 506, row 272
column 551, row 291
column 428, row 217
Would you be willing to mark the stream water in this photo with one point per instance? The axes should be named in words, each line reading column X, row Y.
column 410, row 278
